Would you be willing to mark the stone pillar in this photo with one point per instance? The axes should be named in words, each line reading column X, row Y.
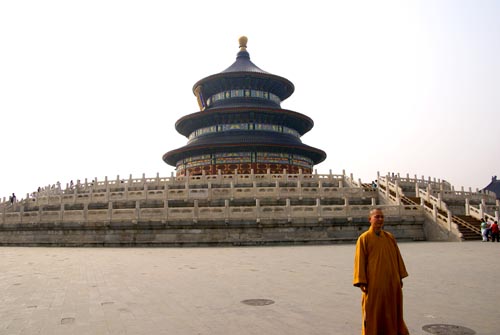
column 126, row 191
column 110, row 211
column 319, row 210
column 86, row 213
column 257, row 210
column 137, row 212
column 396, row 189
column 288, row 210
column 195, row 211
column 467, row 206
column 21, row 213
column 226, row 211
column 165, row 210
column 374, row 202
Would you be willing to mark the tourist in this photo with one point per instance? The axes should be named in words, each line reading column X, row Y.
column 484, row 229
column 494, row 232
column 379, row 271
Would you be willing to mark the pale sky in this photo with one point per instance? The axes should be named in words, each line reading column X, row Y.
column 93, row 88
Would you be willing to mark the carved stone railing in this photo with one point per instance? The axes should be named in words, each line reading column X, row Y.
column 194, row 213
column 212, row 193
column 106, row 185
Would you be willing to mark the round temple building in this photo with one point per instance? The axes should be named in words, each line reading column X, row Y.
column 241, row 127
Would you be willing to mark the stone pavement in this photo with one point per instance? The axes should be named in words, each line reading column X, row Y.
column 200, row 290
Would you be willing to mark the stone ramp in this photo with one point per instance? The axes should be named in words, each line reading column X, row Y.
column 244, row 290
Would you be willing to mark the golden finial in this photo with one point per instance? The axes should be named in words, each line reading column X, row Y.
column 243, row 43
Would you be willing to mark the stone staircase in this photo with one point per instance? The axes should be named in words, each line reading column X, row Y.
column 468, row 226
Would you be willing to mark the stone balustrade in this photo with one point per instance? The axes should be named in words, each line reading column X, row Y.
column 421, row 182
column 257, row 213
column 212, row 193
column 206, row 209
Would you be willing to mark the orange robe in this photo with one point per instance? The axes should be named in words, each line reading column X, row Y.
column 378, row 265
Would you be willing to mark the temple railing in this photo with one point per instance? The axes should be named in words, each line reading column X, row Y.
column 99, row 186
column 419, row 182
column 211, row 193
column 194, row 214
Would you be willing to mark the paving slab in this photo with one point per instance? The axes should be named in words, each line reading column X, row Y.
column 238, row 290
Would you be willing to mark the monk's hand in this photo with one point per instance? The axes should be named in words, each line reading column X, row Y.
column 363, row 288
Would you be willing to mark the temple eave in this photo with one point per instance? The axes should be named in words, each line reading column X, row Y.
column 172, row 157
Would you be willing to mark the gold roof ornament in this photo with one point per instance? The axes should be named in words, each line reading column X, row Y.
column 243, row 43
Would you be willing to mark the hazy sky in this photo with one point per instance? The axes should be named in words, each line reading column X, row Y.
column 93, row 88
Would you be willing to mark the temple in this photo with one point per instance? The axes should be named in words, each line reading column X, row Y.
column 243, row 178
column 241, row 127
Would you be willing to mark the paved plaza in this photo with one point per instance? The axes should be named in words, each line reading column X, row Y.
column 298, row 289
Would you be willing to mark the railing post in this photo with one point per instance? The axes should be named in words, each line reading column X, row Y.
column 226, row 211
column 21, row 213
column 434, row 212
column 195, row 211
column 288, row 210
column 319, row 210
column 110, row 211
column 86, row 213
column 257, row 210
column 396, row 190
column 137, row 211
column 165, row 210
column 61, row 213
column 467, row 207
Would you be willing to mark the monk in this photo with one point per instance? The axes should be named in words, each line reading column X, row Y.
column 379, row 271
